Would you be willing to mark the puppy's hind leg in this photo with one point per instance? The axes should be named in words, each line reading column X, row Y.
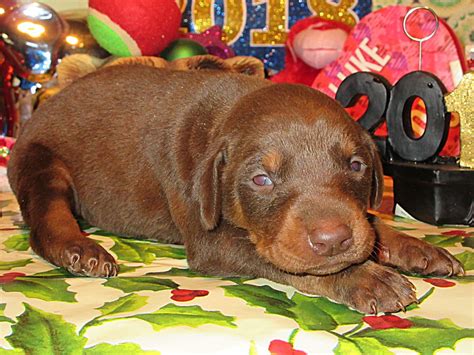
column 44, row 189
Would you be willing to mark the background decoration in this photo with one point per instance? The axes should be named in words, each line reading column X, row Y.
column 211, row 39
column 379, row 45
column 30, row 37
column 312, row 43
column 79, row 39
column 6, row 145
column 461, row 101
column 260, row 28
column 427, row 187
column 182, row 48
column 132, row 28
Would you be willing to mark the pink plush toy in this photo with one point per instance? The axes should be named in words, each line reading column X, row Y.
column 312, row 44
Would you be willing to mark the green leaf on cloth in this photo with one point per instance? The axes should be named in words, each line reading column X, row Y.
column 468, row 242
column 319, row 313
column 46, row 289
column 442, row 240
column 55, row 273
column 311, row 313
column 424, row 336
column 144, row 283
column 39, row 332
column 274, row 301
column 8, row 265
column 124, row 348
column 124, row 304
column 123, row 269
column 4, row 351
column 18, row 242
column 144, row 251
column 467, row 260
column 360, row 346
column 191, row 316
column 2, row 314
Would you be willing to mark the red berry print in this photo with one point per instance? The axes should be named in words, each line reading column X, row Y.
column 183, row 295
column 458, row 233
column 440, row 282
column 10, row 276
column 387, row 322
column 280, row 347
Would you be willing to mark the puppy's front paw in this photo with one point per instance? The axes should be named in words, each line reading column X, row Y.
column 371, row 288
column 86, row 257
column 416, row 256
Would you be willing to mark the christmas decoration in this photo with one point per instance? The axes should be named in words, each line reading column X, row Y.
column 260, row 28
column 312, row 44
column 131, row 28
column 182, row 48
column 211, row 40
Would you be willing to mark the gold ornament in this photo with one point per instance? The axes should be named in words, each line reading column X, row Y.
column 461, row 100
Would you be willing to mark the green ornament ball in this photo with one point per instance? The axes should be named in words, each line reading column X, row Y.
column 182, row 48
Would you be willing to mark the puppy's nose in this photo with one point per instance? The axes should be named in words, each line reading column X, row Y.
column 330, row 238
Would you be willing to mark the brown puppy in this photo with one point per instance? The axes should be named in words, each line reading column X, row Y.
column 256, row 179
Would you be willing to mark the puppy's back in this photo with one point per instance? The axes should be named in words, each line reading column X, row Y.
column 103, row 123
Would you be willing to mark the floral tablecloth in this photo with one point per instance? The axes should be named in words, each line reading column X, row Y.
column 156, row 305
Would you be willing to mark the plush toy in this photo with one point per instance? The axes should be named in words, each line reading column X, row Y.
column 312, row 44
column 134, row 27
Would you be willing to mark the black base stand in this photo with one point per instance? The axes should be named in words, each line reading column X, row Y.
column 433, row 193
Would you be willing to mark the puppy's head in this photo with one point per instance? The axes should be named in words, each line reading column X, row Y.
column 298, row 174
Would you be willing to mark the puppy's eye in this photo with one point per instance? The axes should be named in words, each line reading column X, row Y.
column 262, row 180
column 356, row 165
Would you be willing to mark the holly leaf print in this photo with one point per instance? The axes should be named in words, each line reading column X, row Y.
column 191, row 316
column 39, row 332
column 8, row 265
column 18, row 242
column 124, row 348
column 47, row 289
column 467, row 260
column 424, row 336
column 144, row 283
column 442, row 240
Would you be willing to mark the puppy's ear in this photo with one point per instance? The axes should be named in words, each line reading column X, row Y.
column 247, row 65
column 376, row 192
column 207, row 189
column 199, row 62
column 150, row 61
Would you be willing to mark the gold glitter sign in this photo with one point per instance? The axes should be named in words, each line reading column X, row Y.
column 277, row 17
column 461, row 101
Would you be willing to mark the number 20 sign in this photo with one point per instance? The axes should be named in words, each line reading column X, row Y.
column 394, row 103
